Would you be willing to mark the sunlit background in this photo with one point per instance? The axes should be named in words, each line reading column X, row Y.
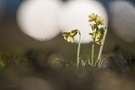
column 34, row 55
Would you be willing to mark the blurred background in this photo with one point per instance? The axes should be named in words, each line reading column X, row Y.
column 34, row 55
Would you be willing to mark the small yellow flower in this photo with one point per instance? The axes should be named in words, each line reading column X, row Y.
column 99, row 21
column 93, row 26
column 66, row 35
column 70, row 39
column 69, row 36
column 97, row 39
column 98, row 36
column 73, row 32
column 92, row 17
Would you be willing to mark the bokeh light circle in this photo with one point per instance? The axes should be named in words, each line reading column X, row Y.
column 122, row 20
column 38, row 18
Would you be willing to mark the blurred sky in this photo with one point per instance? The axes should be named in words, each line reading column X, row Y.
column 11, row 6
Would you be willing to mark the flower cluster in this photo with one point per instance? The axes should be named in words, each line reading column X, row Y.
column 97, row 27
column 69, row 36
column 97, row 19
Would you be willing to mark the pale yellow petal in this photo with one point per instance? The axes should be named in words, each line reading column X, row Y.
column 70, row 39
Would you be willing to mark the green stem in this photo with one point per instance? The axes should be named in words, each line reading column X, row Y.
column 93, row 48
column 92, row 53
column 101, row 47
column 78, row 50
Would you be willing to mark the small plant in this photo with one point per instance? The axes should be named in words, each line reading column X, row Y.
column 98, row 35
column 69, row 36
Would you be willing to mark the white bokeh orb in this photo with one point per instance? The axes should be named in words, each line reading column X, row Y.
column 38, row 18
column 74, row 15
column 122, row 20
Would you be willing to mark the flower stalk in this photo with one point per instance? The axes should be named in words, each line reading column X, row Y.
column 92, row 53
column 102, row 46
column 78, row 50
